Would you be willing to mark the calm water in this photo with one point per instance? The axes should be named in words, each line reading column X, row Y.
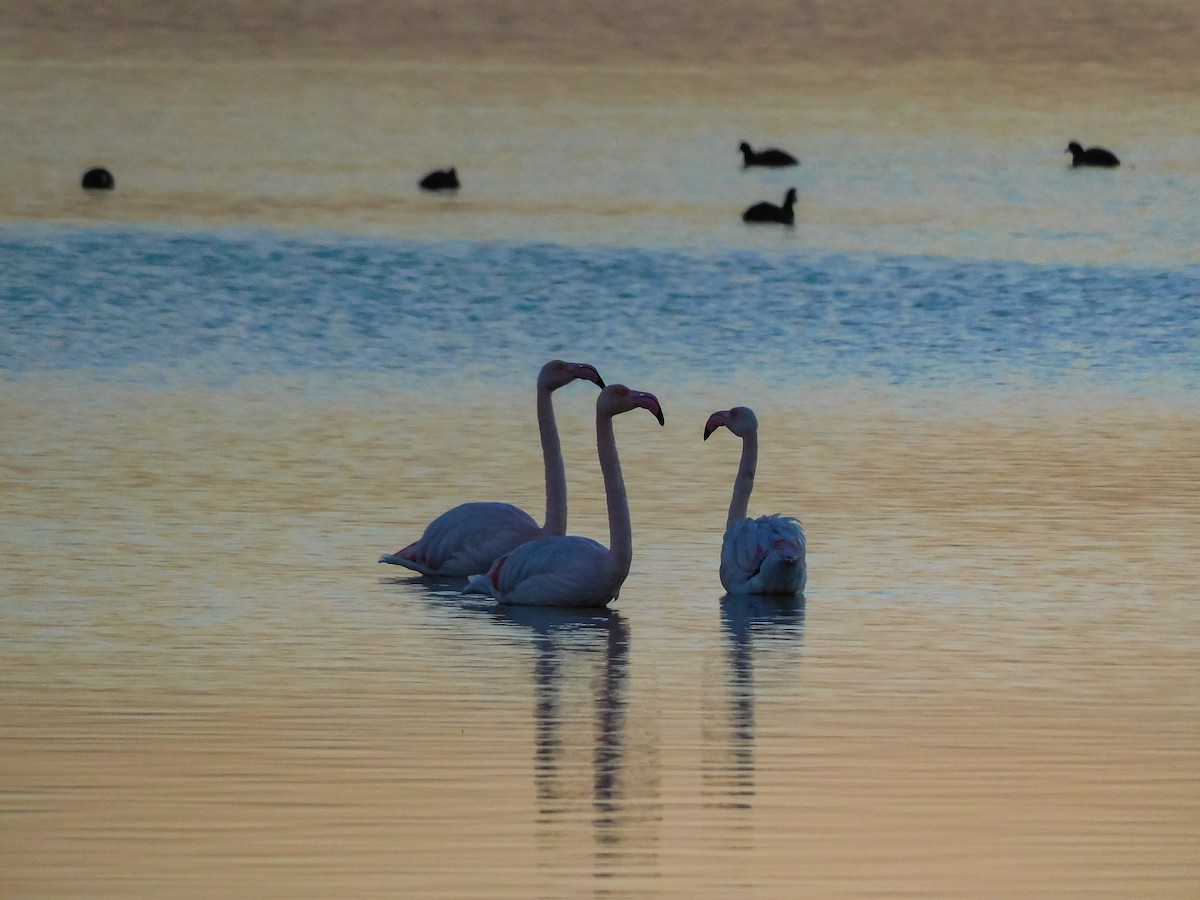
column 265, row 358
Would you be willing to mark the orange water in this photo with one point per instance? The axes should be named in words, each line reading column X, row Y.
column 211, row 689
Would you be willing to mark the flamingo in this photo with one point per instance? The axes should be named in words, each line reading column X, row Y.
column 1092, row 156
column 769, row 212
column 763, row 555
column 567, row 570
column 466, row 539
column 773, row 158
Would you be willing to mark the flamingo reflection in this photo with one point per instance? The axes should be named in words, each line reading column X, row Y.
column 755, row 629
column 574, row 647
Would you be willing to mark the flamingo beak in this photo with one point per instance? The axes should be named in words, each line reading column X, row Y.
column 648, row 401
column 588, row 373
column 715, row 421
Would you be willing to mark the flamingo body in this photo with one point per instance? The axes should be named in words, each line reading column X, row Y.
column 571, row 571
column 465, row 540
column 564, row 570
column 764, row 555
column 468, row 538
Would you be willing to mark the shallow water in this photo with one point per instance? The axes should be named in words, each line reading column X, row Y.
column 607, row 159
column 211, row 688
column 265, row 359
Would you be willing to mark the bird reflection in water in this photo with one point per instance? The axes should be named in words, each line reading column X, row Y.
column 587, row 651
column 756, row 630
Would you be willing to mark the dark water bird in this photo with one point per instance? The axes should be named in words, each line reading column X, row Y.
column 773, row 158
column 769, row 212
column 98, row 179
column 441, row 180
column 1092, row 156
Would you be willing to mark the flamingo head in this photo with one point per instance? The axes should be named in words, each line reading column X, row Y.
column 616, row 398
column 556, row 374
column 740, row 420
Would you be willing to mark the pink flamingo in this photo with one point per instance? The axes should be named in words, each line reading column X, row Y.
column 465, row 540
column 763, row 555
column 569, row 570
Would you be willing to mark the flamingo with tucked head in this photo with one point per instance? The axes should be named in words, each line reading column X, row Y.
column 466, row 539
column 568, row 570
column 763, row 555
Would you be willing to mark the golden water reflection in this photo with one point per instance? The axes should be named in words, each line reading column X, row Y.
column 211, row 688
column 757, row 632
column 623, row 830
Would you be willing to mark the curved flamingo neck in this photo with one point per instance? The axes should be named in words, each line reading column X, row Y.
column 620, row 529
column 744, row 483
column 556, row 470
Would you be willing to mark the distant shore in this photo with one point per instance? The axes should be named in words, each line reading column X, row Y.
column 751, row 34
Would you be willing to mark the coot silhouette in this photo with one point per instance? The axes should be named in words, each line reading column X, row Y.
column 98, row 179
column 1092, row 156
column 441, row 180
column 769, row 212
column 774, row 157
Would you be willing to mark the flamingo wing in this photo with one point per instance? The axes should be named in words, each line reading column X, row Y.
column 764, row 556
column 466, row 539
column 551, row 571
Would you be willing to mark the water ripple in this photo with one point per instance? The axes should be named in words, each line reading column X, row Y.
column 215, row 306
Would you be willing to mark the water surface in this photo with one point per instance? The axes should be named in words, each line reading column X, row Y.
column 263, row 360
